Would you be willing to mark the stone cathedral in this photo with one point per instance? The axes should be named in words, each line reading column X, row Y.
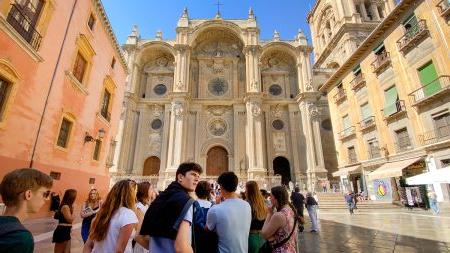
column 222, row 97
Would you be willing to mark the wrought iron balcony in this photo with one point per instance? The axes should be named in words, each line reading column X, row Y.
column 435, row 135
column 22, row 23
column 403, row 144
column 437, row 88
column 346, row 133
column 340, row 96
column 358, row 82
column 381, row 62
column 391, row 111
column 444, row 8
column 413, row 36
column 367, row 123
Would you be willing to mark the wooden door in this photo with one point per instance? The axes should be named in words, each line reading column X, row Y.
column 216, row 161
column 151, row 166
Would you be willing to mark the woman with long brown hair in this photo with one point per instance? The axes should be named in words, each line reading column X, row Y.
column 90, row 208
column 259, row 211
column 279, row 227
column 61, row 235
column 114, row 224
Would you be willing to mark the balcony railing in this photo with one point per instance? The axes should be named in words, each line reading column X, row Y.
column 340, row 96
column 444, row 8
column 367, row 123
column 412, row 36
column 374, row 152
column 403, row 144
column 18, row 19
column 436, row 135
column 358, row 81
column 381, row 62
column 436, row 88
column 350, row 131
column 394, row 109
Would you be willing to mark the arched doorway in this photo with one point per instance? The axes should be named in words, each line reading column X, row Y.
column 151, row 166
column 281, row 167
column 216, row 161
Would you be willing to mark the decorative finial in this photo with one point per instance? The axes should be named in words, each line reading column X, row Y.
column 276, row 36
column 159, row 35
column 134, row 31
column 185, row 13
column 251, row 15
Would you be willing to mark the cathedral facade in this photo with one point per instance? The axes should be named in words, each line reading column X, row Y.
column 222, row 97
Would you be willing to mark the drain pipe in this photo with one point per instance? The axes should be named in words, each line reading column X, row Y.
column 51, row 83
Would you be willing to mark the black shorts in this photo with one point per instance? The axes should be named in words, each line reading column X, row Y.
column 61, row 234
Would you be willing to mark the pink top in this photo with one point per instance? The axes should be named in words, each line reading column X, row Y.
column 284, row 232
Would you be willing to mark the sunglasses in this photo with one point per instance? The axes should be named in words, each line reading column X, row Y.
column 46, row 194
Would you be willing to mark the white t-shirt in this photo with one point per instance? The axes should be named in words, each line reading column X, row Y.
column 142, row 207
column 120, row 218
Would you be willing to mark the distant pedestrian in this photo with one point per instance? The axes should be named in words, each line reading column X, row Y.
column 24, row 192
column 432, row 197
column 88, row 212
column 114, row 226
column 230, row 218
column 65, row 216
column 298, row 201
column 312, row 206
column 143, row 196
column 350, row 201
column 259, row 212
column 280, row 225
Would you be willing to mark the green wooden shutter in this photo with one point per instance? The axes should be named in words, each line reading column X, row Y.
column 428, row 76
column 390, row 97
column 366, row 112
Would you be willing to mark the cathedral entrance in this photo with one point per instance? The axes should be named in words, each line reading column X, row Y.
column 216, row 161
column 281, row 167
column 151, row 166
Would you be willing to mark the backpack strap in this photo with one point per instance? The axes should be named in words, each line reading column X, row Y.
column 285, row 240
column 185, row 209
column 11, row 227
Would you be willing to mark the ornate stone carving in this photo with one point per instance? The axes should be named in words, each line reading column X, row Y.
column 155, row 143
column 217, row 127
column 313, row 111
column 279, row 142
column 179, row 86
column 217, row 110
column 157, row 111
column 162, row 61
column 255, row 109
column 178, row 110
column 276, row 111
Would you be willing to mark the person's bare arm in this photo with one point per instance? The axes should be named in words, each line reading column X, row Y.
column 88, row 246
column 272, row 223
column 124, row 236
column 140, row 216
column 143, row 240
column 182, row 244
column 68, row 216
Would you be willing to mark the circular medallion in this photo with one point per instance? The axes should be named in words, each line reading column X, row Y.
column 275, row 90
column 156, row 124
column 326, row 124
column 160, row 89
column 278, row 124
column 217, row 127
column 218, row 86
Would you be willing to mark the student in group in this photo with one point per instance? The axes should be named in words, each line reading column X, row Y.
column 205, row 241
column 259, row 211
column 88, row 212
column 143, row 196
column 280, row 225
column 167, row 222
column 230, row 218
column 61, row 235
column 115, row 223
column 24, row 192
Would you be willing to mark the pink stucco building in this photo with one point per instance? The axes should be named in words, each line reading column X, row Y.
column 62, row 77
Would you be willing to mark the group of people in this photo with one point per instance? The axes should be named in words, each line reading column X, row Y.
column 188, row 216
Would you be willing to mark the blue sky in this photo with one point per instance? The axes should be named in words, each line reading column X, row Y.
column 286, row 16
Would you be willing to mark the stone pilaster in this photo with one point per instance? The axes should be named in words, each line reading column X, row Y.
column 182, row 59
column 254, row 135
column 252, row 53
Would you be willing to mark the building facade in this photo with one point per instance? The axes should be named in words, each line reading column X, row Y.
column 390, row 104
column 62, row 77
column 220, row 96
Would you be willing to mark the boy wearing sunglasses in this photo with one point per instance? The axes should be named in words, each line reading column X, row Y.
column 24, row 192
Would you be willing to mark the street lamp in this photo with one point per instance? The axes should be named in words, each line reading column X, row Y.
column 88, row 137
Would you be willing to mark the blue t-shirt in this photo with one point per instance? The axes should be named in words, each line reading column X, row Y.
column 231, row 221
column 166, row 245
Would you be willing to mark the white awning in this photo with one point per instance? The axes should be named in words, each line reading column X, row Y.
column 439, row 176
column 346, row 171
column 393, row 169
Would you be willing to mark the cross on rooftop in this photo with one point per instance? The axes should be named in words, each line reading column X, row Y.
column 218, row 7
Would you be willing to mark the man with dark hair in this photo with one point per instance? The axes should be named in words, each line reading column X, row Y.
column 298, row 201
column 24, row 192
column 167, row 222
column 231, row 217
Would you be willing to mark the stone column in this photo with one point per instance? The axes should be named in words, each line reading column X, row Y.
column 315, row 117
column 182, row 60
column 252, row 68
column 340, row 10
column 353, row 12
column 374, row 9
column 176, row 132
column 362, row 9
column 309, row 142
column 254, row 135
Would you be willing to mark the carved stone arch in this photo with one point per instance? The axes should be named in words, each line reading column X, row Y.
column 325, row 14
column 214, row 24
column 207, row 145
column 147, row 48
column 280, row 46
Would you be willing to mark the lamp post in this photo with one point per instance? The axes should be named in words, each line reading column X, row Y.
column 88, row 137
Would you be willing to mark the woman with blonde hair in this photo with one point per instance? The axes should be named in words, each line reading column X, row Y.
column 113, row 228
column 88, row 212
column 256, row 200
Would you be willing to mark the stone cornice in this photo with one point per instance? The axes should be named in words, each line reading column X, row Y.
column 369, row 42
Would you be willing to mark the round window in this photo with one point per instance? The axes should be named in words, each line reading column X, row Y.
column 278, row 124
column 326, row 124
column 160, row 89
column 218, row 86
column 275, row 89
column 156, row 124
